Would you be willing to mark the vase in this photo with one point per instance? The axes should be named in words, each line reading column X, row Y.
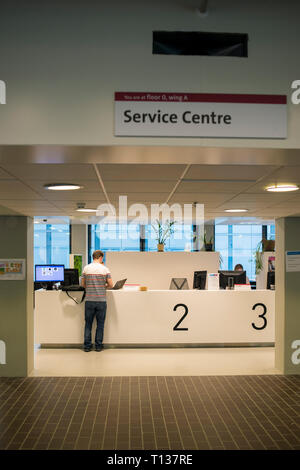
column 268, row 245
column 160, row 247
column 208, row 246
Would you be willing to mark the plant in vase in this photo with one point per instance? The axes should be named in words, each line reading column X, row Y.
column 163, row 232
column 268, row 245
column 263, row 245
column 208, row 242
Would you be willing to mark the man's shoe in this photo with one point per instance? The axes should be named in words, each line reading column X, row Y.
column 98, row 349
column 87, row 349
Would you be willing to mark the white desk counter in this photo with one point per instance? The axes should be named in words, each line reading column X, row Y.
column 161, row 317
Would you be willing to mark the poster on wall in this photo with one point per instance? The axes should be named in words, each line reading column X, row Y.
column 292, row 261
column 12, row 269
column 200, row 115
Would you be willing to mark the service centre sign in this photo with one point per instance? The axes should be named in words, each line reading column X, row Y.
column 200, row 115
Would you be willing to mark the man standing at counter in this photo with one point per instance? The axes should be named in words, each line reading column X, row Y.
column 96, row 278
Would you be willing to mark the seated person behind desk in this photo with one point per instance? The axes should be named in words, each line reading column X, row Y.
column 96, row 278
column 239, row 267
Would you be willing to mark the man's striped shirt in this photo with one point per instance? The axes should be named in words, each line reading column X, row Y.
column 95, row 276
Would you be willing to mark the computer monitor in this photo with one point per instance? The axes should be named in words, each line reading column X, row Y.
column 271, row 279
column 49, row 274
column 37, row 285
column 71, row 277
column 239, row 277
column 199, row 280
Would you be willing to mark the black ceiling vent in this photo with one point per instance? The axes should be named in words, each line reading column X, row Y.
column 200, row 43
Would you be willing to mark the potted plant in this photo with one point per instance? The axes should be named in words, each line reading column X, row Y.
column 268, row 245
column 163, row 232
column 208, row 242
column 258, row 261
column 220, row 260
column 263, row 245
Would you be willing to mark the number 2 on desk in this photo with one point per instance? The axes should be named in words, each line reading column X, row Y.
column 182, row 318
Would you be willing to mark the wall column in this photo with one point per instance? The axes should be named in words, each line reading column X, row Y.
column 79, row 241
column 209, row 228
column 143, row 241
column 287, row 298
column 16, row 305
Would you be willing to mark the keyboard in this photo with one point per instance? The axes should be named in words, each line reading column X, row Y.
column 73, row 288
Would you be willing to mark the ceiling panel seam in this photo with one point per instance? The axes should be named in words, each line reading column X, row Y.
column 32, row 189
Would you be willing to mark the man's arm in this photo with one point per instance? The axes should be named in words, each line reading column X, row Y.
column 83, row 280
column 109, row 282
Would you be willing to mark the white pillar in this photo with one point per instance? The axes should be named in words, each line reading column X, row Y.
column 287, row 298
column 16, row 299
column 79, row 241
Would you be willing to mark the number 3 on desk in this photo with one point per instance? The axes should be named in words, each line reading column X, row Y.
column 262, row 315
column 182, row 318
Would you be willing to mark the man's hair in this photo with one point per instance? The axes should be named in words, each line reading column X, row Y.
column 98, row 254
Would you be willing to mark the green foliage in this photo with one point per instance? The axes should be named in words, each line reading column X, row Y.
column 207, row 241
column 221, row 261
column 78, row 263
column 258, row 262
column 258, row 257
column 163, row 231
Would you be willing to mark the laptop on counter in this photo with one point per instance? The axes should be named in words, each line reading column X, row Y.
column 119, row 284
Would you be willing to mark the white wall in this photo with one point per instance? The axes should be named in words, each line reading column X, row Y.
column 155, row 270
column 62, row 63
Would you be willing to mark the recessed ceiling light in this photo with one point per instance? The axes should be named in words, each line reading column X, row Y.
column 282, row 188
column 86, row 210
column 236, row 210
column 62, row 187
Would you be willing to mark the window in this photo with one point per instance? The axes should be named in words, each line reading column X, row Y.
column 237, row 244
column 271, row 232
column 180, row 240
column 118, row 237
column 115, row 237
column 51, row 244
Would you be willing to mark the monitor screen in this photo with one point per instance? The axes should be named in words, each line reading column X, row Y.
column 71, row 277
column 271, row 279
column 49, row 272
column 199, row 280
column 239, row 277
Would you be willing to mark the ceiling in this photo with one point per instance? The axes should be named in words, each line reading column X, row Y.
column 218, row 186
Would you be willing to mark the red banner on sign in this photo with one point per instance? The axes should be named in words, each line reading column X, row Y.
column 200, row 97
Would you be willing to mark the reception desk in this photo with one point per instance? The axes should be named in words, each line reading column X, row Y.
column 161, row 317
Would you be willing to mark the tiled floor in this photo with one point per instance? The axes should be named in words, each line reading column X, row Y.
column 187, row 412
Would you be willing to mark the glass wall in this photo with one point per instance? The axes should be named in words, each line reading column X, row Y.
column 114, row 237
column 51, row 244
column 180, row 240
column 271, row 232
column 237, row 244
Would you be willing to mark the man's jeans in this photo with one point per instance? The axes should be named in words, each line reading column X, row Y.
column 93, row 309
